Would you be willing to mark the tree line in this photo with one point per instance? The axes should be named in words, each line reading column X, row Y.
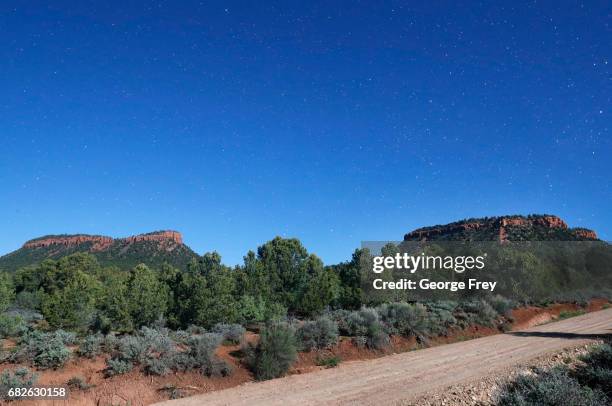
column 282, row 277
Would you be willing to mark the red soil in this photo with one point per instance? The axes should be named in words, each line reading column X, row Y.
column 135, row 388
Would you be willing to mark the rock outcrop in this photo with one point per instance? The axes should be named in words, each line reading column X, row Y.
column 98, row 242
column 585, row 233
column 503, row 228
column 101, row 243
column 158, row 236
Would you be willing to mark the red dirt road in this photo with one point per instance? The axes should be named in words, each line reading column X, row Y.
column 401, row 377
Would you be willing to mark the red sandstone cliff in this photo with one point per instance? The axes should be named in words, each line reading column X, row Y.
column 585, row 233
column 100, row 243
column 500, row 225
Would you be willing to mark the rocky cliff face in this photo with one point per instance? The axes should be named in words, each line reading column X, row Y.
column 158, row 236
column 100, row 243
column 585, row 233
column 534, row 227
column 97, row 242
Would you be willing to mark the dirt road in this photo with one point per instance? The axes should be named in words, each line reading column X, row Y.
column 392, row 379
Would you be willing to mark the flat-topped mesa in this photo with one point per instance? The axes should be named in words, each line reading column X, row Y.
column 157, row 236
column 499, row 227
column 99, row 242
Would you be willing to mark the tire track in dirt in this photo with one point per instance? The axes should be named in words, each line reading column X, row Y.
column 401, row 377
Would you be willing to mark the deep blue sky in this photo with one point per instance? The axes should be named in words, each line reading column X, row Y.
column 334, row 123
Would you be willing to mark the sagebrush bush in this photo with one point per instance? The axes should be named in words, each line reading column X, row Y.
column 110, row 343
column 91, row 346
column 182, row 361
column 596, row 372
column 157, row 366
column 317, row 334
column 554, row 387
column 501, row 304
column 230, row 332
column 441, row 317
column 133, row 348
column 51, row 353
column 366, row 323
column 275, row 352
column 480, row 312
column 202, row 351
column 195, row 330
column 157, row 340
column 66, row 337
column 117, row 366
column 17, row 378
column 181, row 336
column 405, row 319
column 78, row 383
column 44, row 350
column 340, row 316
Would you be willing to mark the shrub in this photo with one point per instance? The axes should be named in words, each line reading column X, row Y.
column 43, row 350
column 181, row 336
column 51, row 353
column 441, row 317
column 156, row 366
column 501, row 304
column 28, row 300
column 230, row 332
column 405, row 319
column 66, row 337
column 275, row 352
column 366, row 323
column 110, row 343
column 596, row 372
column 566, row 314
column 317, row 334
column 275, row 312
column 341, row 316
column 329, row 362
column 182, row 361
column 157, row 340
column 116, row 366
column 481, row 312
column 554, row 387
column 91, row 346
column 172, row 391
column 196, row 330
column 11, row 326
column 202, row 351
column 78, row 383
column 132, row 348
column 17, row 378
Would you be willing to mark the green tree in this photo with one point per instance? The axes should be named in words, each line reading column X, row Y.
column 207, row 293
column 147, row 296
column 114, row 307
column 350, row 279
column 71, row 305
column 283, row 261
column 322, row 288
column 7, row 292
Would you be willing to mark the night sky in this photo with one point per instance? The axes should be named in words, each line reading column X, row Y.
column 332, row 122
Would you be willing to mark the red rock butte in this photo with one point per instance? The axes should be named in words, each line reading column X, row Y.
column 100, row 243
column 499, row 223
